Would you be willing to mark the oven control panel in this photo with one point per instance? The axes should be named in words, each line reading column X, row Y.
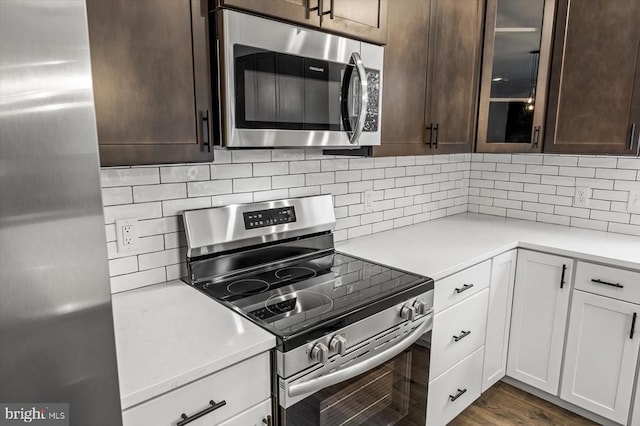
column 270, row 217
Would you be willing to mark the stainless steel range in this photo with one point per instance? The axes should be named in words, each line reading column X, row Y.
column 353, row 336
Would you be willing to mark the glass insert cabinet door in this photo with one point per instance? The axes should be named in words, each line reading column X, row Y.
column 515, row 75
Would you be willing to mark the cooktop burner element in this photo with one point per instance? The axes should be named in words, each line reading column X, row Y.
column 247, row 287
column 295, row 272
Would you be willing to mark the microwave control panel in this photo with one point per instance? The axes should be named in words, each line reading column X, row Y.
column 270, row 217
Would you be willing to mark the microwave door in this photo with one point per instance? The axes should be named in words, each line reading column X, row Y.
column 354, row 98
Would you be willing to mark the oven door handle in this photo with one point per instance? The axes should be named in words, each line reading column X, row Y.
column 347, row 373
column 354, row 135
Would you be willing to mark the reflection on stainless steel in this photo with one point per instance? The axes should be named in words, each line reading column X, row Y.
column 56, row 327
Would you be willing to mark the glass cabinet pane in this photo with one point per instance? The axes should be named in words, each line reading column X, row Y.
column 514, row 76
column 519, row 14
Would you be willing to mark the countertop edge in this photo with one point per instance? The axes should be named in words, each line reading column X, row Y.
column 133, row 399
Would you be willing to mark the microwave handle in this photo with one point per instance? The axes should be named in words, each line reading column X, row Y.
column 354, row 135
column 350, row 372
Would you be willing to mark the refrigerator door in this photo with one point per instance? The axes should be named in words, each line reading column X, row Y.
column 56, row 325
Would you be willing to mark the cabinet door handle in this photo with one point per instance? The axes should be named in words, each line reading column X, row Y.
column 430, row 129
column 633, row 136
column 463, row 288
column 437, row 130
column 564, row 270
column 206, row 137
column 267, row 421
column 457, row 395
column 536, row 136
column 310, row 9
column 633, row 325
column 462, row 335
column 599, row 281
column 330, row 12
column 213, row 406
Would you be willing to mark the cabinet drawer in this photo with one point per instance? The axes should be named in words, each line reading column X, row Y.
column 457, row 332
column 466, row 377
column 254, row 416
column 608, row 281
column 241, row 386
column 459, row 286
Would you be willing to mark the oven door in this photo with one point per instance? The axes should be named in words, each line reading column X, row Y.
column 391, row 391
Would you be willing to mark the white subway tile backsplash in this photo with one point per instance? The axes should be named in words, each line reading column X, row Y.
column 129, row 176
column 184, row 173
column 165, row 191
column 406, row 190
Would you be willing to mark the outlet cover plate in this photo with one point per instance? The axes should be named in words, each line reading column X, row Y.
column 127, row 235
column 368, row 201
column 633, row 204
column 581, row 197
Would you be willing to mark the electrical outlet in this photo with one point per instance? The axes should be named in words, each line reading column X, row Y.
column 368, row 201
column 127, row 235
column 581, row 198
column 633, row 205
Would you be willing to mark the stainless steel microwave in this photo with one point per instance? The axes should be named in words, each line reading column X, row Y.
column 282, row 85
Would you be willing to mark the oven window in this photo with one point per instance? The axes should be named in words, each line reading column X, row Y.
column 279, row 91
column 394, row 393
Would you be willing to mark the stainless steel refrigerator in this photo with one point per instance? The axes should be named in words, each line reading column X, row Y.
column 56, row 325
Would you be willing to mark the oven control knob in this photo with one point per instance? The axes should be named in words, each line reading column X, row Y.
column 338, row 345
column 320, row 353
column 408, row 313
column 420, row 307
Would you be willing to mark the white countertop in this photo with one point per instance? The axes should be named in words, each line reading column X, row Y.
column 170, row 334
column 444, row 246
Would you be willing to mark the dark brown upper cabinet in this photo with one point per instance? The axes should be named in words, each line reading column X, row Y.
column 594, row 105
column 515, row 73
column 431, row 74
column 149, row 60
column 361, row 19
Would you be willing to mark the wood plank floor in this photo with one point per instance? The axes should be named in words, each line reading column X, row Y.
column 505, row 405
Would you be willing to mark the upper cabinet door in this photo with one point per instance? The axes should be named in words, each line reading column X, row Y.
column 595, row 85
column 363, row 19
column 404, row 87
column 515, row 75
column 150, row 80
column 453, row 74
column 301, row 11
column 431, row 72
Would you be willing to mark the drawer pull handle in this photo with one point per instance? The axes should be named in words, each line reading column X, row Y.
column 462, row 335
column 464, row 288
column 598, row 281
column 633, row 325
column 564, row 270
column 458, row 395
column 267, row 421
column 213, row 406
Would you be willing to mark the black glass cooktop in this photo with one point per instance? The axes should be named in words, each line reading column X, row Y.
column 301, row 300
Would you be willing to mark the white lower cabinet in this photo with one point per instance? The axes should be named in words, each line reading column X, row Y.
column 503, row 271
column 601, row 355
column 539, row 315
column 455, row 389
column 241, row 386
column 259, row 415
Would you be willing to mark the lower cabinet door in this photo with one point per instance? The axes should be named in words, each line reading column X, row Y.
column 601, row 355
column 455, row 389
column 503, row 271
column 258, row 415
column 538, row 319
